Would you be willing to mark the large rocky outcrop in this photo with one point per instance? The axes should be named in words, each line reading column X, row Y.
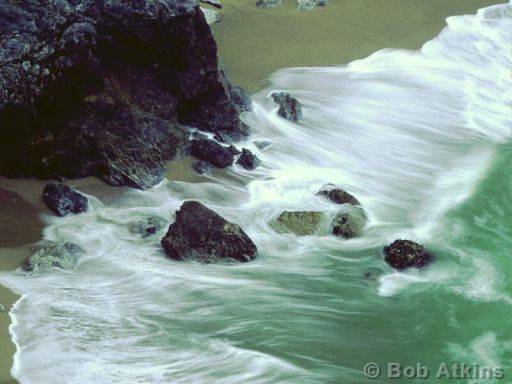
column 105, row 87
column 202, row 235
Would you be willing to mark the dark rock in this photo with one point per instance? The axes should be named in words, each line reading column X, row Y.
column 215, row 3
column 301, row 223
column 140, row 71
column 234, row 150
column 63, row 200
column 289, row 107
column 50, row 254
column 212, row 152
column 147, row 226
column 268, row 4
column 339, row 196
column 248, row 160
column 308, row 5
column 402, row 254
column 349, row 224
column 202, row 167
column 201, row 234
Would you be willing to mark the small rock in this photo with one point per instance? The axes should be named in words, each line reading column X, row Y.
column 248, row 160
column 2, row 309
column 50, row 254
column 234, row 150
column 215, row 3
column 350, row 223
column 147, row 226
column 403, row 254
column 338, row 196
column 308, row 5
column 202, row 235
column 202, row 167
column 289, row 107
column 211, row 15
column 268, row 4
column 212, row 152
column 262, row 144
column 301, row 223
column 63, row 200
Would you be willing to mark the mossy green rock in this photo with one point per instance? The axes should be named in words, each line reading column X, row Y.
column 300, row 223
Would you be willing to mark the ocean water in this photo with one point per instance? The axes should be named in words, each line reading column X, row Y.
column 421, row 138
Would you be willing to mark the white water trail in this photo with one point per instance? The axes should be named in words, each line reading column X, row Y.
column 408, row 133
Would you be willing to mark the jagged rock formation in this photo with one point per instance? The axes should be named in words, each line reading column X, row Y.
column 289, row 107
column 202, row 235
column 105, row 88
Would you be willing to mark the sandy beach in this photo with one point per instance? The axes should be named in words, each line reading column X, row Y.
column 253, row 43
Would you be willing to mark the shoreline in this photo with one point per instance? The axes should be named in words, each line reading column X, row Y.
column 253, row 43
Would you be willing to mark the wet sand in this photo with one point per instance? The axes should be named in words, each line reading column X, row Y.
column 253, row 43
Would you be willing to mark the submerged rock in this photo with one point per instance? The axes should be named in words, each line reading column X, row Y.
column 403, row 254
column 64, row 200
column 202, row 167
column 262, row 144
column 147, row 226
column 202, row 235
column 212, row 152
column 140, row 72
column 211, row 16
column 248, row 160
column 301, row 223
column 350, row 223
column 308, row 5
column 215, row 3
column 50, row 254
column 289, row 107
column 268, row 4
column 338, row 196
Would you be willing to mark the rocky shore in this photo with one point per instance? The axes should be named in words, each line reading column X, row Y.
column 108, row 88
